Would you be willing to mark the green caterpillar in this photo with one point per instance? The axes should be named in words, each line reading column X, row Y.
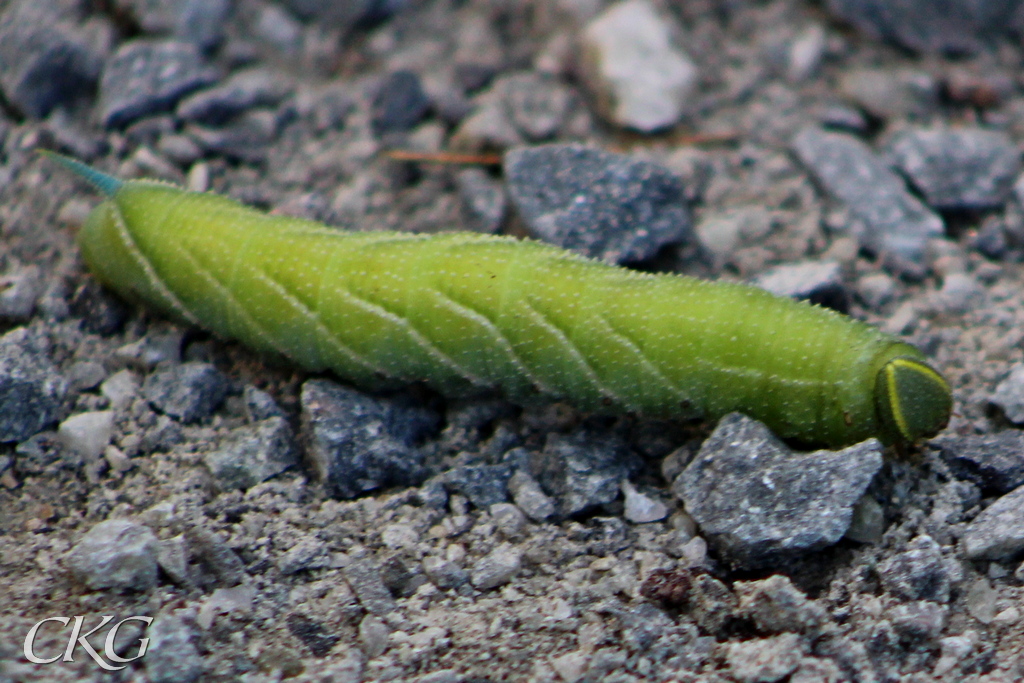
column 465, row 312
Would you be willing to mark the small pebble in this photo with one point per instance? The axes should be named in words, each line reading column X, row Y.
column 530, row 498
column 172, row 656
column 496, row 569
column 641, row 508
column 88, row 434
column 116, row 554
column 1009, row 395
column 997, row 533
column 187, row 392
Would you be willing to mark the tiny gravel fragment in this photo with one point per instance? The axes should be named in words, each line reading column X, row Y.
column 187, row 392
column 957, row 169
column 498, row 568
column 308, row 552
column 146, row 77
column 766, row 660
column 483, row 200
column 775, row 605
column 530, row 498
column 20, row 288
column 757, row 502
column 641, row 508
column 172, row 656
column 918, row 573
column 604, row 205
column 365, row 579
column 895, row 220
column 981, row 600
column 1009, row 394
column 640, row 79
column 998, row 532
column 253, row 453
column 242, row 91
column 919, row 623
column 444, row 573
column 400, row 103
column 116, row 554
column 483, row 485
column 583, row 470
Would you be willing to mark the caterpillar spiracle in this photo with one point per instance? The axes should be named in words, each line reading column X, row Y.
column 465, row 312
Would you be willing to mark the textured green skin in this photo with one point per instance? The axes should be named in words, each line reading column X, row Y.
column 464, row 312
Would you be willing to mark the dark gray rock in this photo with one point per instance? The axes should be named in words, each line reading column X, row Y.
column 242, row 91
column 200, row 22
column 957, row 168
column 583, row 470
column 345, row 15
column 995, row 462
column 172, row 656
column 253, row 453
column 894, row 220
column 1009, row 394
column 31, row 389
column 399, row 103
column 366, row 582
column 818, row 282
column 949, row 26
column 604, row 205
column 45, row 61
column 998, row 532
column 246, row 138
column 187, row 392
column 918, row 573
column 757, row 502
column 399, row 578
column 116, row 554
column 146, row 77
column 213, row 559
column 357, row 443
column 483, row 485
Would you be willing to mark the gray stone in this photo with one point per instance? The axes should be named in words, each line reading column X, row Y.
column 893, row 219
column 31, row 389
column 775, row 605
column 172, row 656
column 766, row 660
column 444, row 573
column 86, row 375
column 960, row 294
column 918, row 573
column 200, row 22
column 20, row 288
column 1009, row 394
column 364, row 577
column 919, row 623
column 640, row 507
column 818, row 282
column 639, row 78
column 876, row 290
column 45, row 60
column 116, row 554
column 357, row 443
column 308, row 552
column 758, row 502
column 187, row 392
column 483, row 485
column 582, row 470
column 995, row 462
column 891, row 93
column 538, row 106
column 483, row 200
column 498, row 568
column 508, row 518
column 214, row 557
column 948, row 26
column 246, row 138
column 530, row 498
column 980, row 600
column 259, row 405
column 146, row 77
column 601, row 204
column 242, row 91
column 998, row 532
column 868, row 522
column 87, row 434
column 253, row 453
column 373, row 636
column 399, row 103
column 957, row 169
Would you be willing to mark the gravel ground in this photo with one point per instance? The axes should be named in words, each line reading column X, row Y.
column 272, row 525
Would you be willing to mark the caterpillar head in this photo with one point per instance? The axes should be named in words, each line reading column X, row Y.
column 912, row 400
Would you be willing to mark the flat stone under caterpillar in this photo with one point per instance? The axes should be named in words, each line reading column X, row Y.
column 465, row 312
